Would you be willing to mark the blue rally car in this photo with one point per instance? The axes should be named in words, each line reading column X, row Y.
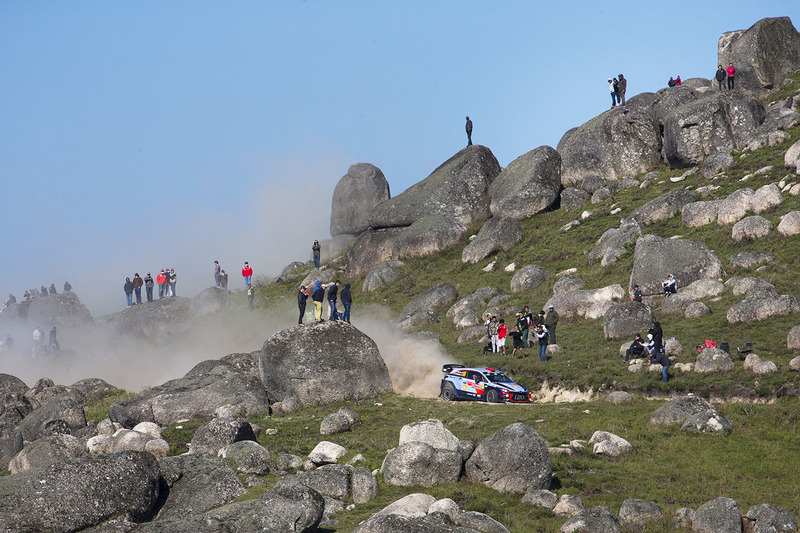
column 462, row 383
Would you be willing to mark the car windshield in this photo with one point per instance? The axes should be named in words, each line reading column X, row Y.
column 498, row 377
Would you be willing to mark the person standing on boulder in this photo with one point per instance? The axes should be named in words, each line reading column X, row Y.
column 333, row 294
column 469, row 131
column 148, row 286
column 128, row 288
column 317, row 295
column 612, row 88
column 67, row 286
column 721, row 78
column 223, row 279
column 302, row 297
column 550, row 322
column 247, row 274
column 53, row 344
column 678, row 82
column 622, row 85
column 161, row 280
column 173, row 280
column 730, row 71
column 216, row 273
column 52, row 289
column 315, row 249
column 137, row 288
column 347, row 301
column 251, row 293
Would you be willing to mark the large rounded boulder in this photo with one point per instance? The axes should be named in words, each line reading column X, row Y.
column 355, row 196
column 618, row 143
column 323, row 363
column 419, row 463
column 76, row 494
column 718, row 515
column 496, row 234
column 458, row 188
column 713, row 360
column 372, row 248
column 655, row 258
column 427, row 236
column 515, row 459
column 627, row 319
column 422, row 309
column 64, row 309
column 678, row 410
column 528, row 185
column 763, row 55
column 383, row 274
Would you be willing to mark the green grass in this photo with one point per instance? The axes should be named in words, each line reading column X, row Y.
column 97, row 410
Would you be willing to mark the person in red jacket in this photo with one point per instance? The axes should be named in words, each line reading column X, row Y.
column 247, row 274
column 730, row 71
column 502, row 332
column 161, row 281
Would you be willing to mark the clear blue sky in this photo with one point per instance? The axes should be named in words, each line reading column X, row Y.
column 141, row 135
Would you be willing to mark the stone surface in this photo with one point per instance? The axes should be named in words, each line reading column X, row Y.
column 528, row 277
column 210, row 438
column 713, row 360
column 678, row 410
column 717, row 516
column 568, row 282
column 431, row 432
column 588, row 303
column 750, row 228
column 696, row 310
column 327, row 452
column 789, row 224
column 328, row 362
column 664, row 207
column 381, row 275
column 528, row 185
column 62, row 414
column 599, row 519
column 249, row 457
column 687, row 260
column 356, row 194
column 716, row 163
column 626, row 319
column 696, row 214
column 710, row 422
column 45, row 452
column 540, row 498
column 620, row 397
column 766, row 518
column 765, row 198
column 636, row 513
column 418, row 463
column 428, row 235
column 80, row 493
column 615, row 242
column 514, row 459
column 499, row 233
column 749, row 259
column 422, row 309
column 793, row 339
column 364, row 485
column 458, row 188
column 573, row 197
column 759, row 307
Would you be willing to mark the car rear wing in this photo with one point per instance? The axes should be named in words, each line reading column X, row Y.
column 449, row 368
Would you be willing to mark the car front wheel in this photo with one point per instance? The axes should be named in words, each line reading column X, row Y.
column 492, row 396
column 448, row 392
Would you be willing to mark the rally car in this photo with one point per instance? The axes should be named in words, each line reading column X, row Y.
column 462, row 383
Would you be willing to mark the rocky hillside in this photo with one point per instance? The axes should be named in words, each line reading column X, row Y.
column 305, row 434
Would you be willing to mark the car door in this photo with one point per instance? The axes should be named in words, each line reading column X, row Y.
column 477, row 382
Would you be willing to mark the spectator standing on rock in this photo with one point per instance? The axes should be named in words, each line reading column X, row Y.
column 38, row 342
column 247, row 274
column 148, row 286
column 612, row 88
column 347, row 301
column 469, row 131
column 541, row 333
column 251, row 293
column 26, row 297
column 128, row 288
column 216, row 273
column 302, row 297
column 660, row 358
column 502, row 333
column 53, row 344
column 137, row 288
column 550, row 322
column 721, row 78
column 44, row 290
column 161, row 281
column 731, row 72
column 172, row 277
column 223, row 279
column 670, row 285
column 315, row 250
column 637, row 294
column 52, row 289
column 516, row 334
column 622, row 85
column 317, row 295
column 333, row 294
column 67, row 286
column 671, row 82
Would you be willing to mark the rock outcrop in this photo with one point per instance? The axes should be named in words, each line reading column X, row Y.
column 356, row 194
column 655, row 258
column 496, row 234
column 627, row 319
column 528, row 185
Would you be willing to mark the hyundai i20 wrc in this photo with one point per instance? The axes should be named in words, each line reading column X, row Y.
column 486, row 384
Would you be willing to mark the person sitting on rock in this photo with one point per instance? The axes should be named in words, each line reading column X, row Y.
column 26, row 297
column 637, row 294
column 44, row 290
column 678, row 82
column 670, row 285
column 67, row 286
column 10, row 300
column 671, row 82
column 52, row 288
column 636, row 349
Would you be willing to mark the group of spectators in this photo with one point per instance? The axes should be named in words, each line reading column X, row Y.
column 166, row 280
column 318, row 297
column 617, row 86
column 32, row 294
column 529, row 328
column 654, row 346
column 724, row 77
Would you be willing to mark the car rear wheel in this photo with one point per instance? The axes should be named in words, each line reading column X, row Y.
column 492, row 396
column 448, row 392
